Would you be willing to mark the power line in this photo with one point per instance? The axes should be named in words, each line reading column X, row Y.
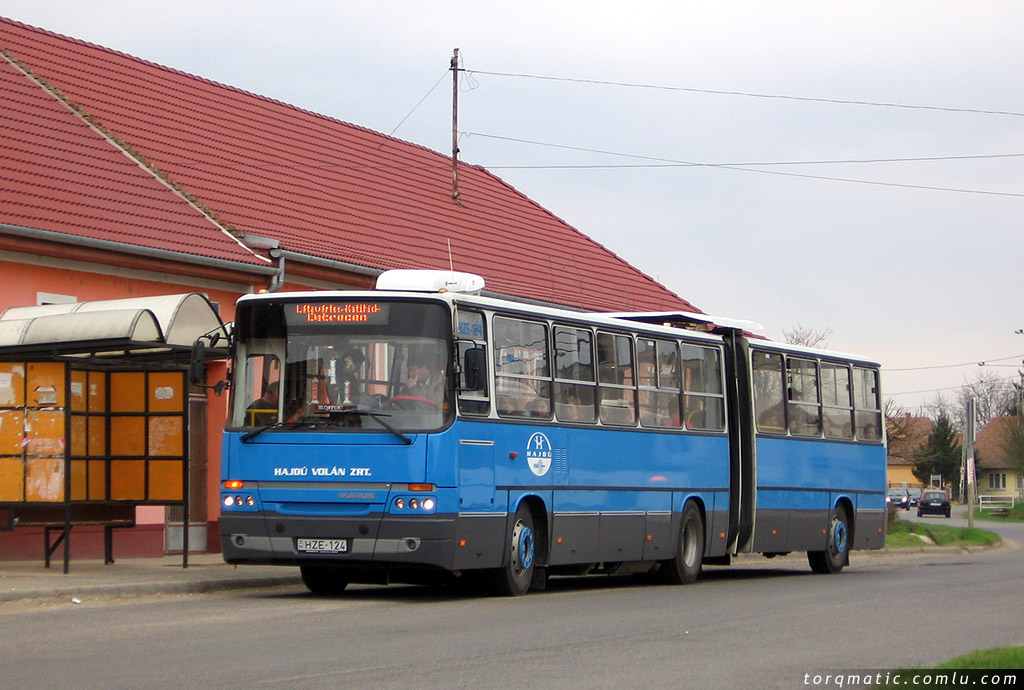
column 980, row 363
column 664, row 162
column 946, row 388
column 415, row 107
column 748, row 94
column 673, row 162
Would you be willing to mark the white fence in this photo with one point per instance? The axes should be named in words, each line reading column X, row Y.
column 995, row 502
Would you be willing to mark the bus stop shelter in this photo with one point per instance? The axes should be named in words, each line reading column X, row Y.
column 95, row 413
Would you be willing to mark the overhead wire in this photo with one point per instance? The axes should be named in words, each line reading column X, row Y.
column 418, row 104
column 980, row 363
column 748, row 94
column 744, row 167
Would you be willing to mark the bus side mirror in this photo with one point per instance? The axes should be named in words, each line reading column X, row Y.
column 474, row 369
column 197, row 369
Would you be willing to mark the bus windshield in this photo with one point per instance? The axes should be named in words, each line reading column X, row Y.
column 345, row 365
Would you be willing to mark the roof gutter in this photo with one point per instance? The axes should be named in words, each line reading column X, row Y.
column 282, row 254
column 121, row 248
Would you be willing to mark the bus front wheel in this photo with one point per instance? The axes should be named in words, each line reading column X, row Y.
column 685, row 567
column 322, row 580
column 837, row 552
column 513, row 579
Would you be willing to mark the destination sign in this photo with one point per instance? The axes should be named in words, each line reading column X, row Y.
column 338, row 312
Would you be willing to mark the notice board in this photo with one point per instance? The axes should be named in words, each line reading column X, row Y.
column 74, row 434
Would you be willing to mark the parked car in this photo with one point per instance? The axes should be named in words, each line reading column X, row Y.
column 915, row 496
column 898, row 497
column 933, row 502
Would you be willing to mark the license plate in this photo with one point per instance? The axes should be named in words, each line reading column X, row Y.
column 321, row 545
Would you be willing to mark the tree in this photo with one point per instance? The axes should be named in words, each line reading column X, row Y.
column 808, row 337
column 940, row 455
column 993, row 396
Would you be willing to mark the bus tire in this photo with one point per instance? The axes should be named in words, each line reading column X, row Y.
column 322, row 580
column 685, row 567
column 837, row 555
column 513, row 579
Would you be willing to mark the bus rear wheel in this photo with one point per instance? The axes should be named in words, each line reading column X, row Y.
column 685, row 567
column 323, row 580
column 513, row 579
column 837, row 554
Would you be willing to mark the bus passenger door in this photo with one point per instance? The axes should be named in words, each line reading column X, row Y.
column 476, row 475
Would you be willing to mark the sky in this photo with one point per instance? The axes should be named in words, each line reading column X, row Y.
column 856, row 169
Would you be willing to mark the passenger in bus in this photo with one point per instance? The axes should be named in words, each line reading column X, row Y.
column 870, row 432
column 294, row 410
column 424, row 382
column 801, row 421
column 539, row 407
column 348, row 380
column 263, row 410
column 571, row 409
column 771, row 420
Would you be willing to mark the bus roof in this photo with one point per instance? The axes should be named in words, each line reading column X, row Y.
column 667, row 323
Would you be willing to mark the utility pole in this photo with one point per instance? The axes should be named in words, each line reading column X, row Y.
column 455, row 124
column 972, row 415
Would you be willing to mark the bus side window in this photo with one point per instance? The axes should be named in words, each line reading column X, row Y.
column 803, row 413
column 574, row 375
column 474, row 396
column 658, row 378
column 617, row 384
column 704, row 395
column 522, row 386
column 867, row 411
column 769, row 402
column 836, row 416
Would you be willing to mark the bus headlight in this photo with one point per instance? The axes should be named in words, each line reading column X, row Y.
column 418, row 504
column 230, row 501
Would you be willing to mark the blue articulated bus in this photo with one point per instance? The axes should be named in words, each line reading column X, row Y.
column 421, row 431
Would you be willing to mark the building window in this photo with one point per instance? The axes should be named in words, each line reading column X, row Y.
column 997, row 481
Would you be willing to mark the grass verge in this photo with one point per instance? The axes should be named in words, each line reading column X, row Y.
column 979, row 668
column 905, row 534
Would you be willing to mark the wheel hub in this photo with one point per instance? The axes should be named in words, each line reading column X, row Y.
column 522, row 538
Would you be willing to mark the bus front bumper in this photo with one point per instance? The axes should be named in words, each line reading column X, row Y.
column 368, row 541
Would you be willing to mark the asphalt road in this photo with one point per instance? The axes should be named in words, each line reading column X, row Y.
column 760, row 623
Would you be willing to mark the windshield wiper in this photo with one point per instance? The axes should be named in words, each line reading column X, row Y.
column 246, row 437
column 379, row 417
column 276, row 425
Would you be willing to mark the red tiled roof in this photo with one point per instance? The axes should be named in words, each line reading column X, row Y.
column 60, row 175
column 321, row 187
column 988, row 447
column 906, row 435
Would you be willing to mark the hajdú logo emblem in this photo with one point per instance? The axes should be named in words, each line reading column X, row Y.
column 538, row 454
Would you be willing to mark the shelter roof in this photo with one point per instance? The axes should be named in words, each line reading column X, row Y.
column 320, row 187
column 150, row 327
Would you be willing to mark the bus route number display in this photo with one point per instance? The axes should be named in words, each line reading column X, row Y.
column 340, row 313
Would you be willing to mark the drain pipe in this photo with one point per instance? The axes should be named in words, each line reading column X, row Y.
column 277, row 280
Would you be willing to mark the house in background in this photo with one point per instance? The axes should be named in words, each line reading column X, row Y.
column 906, row 436
column 123, row 178
column 996, row 473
